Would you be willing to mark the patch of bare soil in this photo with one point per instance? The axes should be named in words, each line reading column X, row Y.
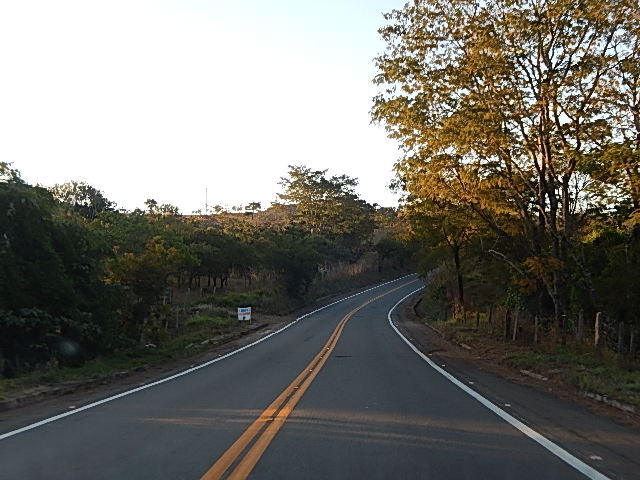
column 488, row 354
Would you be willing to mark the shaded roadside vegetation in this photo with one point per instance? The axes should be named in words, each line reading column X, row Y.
column 585, row 369
column 83, row 281
column 520, row 127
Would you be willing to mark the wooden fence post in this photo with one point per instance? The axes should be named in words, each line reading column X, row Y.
column 620, row 338
column 515, row 326
column 490, row 320
column 507, row 324
column 596, row 328
column 580, row 332
column 536, row 324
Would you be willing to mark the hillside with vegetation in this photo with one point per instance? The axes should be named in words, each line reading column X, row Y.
column 81, row 280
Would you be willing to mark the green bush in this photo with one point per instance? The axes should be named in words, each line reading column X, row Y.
column 208, row 321
column 236, row 299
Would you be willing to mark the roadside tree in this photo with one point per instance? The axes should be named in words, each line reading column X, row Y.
column 496, row 104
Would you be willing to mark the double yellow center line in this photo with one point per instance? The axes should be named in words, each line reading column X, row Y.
column 267, row 425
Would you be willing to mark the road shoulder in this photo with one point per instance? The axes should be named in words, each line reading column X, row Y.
column 606, row 439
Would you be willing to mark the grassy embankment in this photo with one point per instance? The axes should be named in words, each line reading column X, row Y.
column 208, row 322
column 598, row 371
column 203, row 328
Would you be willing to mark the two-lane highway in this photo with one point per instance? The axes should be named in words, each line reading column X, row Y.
column 338, row 394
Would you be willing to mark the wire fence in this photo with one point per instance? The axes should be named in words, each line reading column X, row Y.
column 599, row 330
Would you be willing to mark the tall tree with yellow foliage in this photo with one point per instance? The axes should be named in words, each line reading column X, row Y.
column 498, row 104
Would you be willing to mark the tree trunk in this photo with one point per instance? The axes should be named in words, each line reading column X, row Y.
column 620, row 338
column 456, row 258
column 558, row 293
column 566, row 208
column 559, row 304
column 596, row 330
column 507, row 324
column 580, row 331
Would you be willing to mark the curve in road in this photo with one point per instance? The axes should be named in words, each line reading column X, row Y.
column 374, row 410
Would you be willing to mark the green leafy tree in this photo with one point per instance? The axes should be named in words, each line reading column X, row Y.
column 8, row 174
column 146, row 274
column 619, row 152
column 253, row 207
column 496, row 104
column 81, row 198
column 51, row 288
column 329, row 207
column 165, row 209
column 438, row 225
column 295, row 255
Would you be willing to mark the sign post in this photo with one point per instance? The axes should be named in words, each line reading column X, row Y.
column 244, row 313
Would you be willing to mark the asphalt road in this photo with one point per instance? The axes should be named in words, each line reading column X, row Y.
column 371, row 408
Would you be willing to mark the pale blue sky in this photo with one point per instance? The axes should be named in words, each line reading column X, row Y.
column 163, row 99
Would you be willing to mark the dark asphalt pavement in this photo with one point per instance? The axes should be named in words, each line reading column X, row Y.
column 376, row 410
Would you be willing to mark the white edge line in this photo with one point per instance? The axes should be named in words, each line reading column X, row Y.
column 185, row 372
column 558, row 451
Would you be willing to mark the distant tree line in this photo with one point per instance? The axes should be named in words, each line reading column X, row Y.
column 79, row 277
column 520, row 127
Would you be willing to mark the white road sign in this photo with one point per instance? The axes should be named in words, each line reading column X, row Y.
column 244, row 313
